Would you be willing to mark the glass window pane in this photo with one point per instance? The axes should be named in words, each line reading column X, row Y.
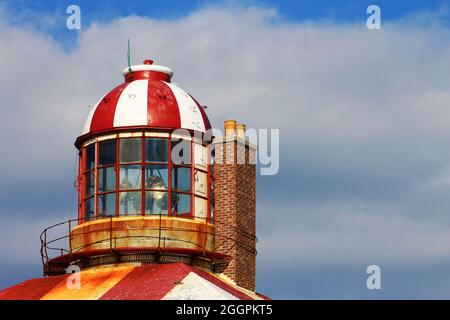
column 156, row 202
column 156, row 176
column 107, row 204
column 201, row 208
column 130, row 177
column 181, row 152
column 89, row 209
column 181, row 203
column 90, row 157
column 200, row 156
column 130, row 150
column 106, row 179
column 181, row 178
column 90, row 183
column 156, row 150
column 130, row 203
column 200, row 183
column 107, row 152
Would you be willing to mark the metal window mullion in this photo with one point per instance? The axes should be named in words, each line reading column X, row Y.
column 80, row 184
column 192, row 171
column 143, row 174
column 169, row 176
column 117, row 167
column 96, row 181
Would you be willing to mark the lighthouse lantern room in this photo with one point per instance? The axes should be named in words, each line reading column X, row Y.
column 150, row 191
column 144, row 171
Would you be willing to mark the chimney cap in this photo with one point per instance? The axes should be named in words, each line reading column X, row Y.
column 230, row 123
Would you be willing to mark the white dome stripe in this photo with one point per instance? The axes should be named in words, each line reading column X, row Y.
column 197, row 288
column 148, row 67
column 87, row 124
column 190, row 115
column 131, row 109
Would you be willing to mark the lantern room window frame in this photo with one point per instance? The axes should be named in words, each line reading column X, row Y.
column 86, row 172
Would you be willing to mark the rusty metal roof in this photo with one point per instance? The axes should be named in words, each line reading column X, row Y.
column 144, row 282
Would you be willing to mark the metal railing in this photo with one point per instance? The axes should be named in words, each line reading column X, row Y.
column 60, row 244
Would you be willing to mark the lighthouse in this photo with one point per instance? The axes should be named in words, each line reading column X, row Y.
column 166, row 208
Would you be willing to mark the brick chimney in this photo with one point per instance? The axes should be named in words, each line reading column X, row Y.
column 235, row 203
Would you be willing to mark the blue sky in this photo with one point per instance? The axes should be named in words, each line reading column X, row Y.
column 293, row 10
column 363, row 115
column 104, row 11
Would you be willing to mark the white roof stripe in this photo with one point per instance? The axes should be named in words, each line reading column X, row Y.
column 194, row 287
column 146, row 67
column 190, row 115
column 87, row 124
column 131, row 109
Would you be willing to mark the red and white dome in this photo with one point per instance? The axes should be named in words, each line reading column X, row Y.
column 171, row 281
column 147, row 99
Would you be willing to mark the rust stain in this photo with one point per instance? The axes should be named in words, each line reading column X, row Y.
column 143, row 232
column 94, row 283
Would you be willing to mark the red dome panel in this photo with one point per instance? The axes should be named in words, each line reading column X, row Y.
column 162, row 108
column 103, row 117
column 147, row 98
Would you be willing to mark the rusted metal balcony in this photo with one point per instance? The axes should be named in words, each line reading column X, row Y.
column 133, row 239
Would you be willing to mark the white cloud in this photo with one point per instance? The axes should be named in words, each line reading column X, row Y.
column 349, row 102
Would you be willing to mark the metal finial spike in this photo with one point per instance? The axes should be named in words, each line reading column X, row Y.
column 129, row 56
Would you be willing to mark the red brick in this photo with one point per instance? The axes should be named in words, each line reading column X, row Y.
column 235, row 213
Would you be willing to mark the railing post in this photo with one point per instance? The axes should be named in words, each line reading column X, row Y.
column 159, row 232
column 45, row 246
column 110, row 232
column 70, row 237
